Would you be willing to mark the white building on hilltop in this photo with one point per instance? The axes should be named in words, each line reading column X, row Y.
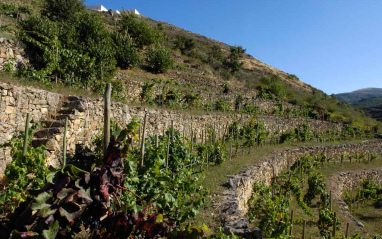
column 133, row 11
column 99, row 8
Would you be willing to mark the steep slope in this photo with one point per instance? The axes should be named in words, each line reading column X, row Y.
column 206, row 74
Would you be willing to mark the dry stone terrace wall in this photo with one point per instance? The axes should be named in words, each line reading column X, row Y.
column 351, row 181
column 240, row 186
column 17, row 101
column 11, row 52
column 207, row 92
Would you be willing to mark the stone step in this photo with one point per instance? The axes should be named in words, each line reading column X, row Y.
column 63, row 116
column 48, row 133
column 53, row 123
column 50, row 144
column 78, row 105
column 73, row 98
column 67, row 111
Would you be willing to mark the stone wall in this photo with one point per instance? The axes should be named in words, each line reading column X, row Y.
column 10, row 52
column 351, row 181
column 86, row 118
column 235, row 199
column 210, row 90
column 15, row 103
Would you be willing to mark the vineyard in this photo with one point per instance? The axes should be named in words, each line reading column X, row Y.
column 120, row 126
column 129, row 184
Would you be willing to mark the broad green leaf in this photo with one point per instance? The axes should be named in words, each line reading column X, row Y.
column 70, row 211
column 51, row 233
column 64, row 193
column 73, row 172
column 159, row 218
column 40, row 201
column 206, row 228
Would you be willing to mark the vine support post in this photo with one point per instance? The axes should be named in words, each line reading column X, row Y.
column 143, row 140
column 156, row 141
column 192, row 139
column 303, row 230
column 167, row 151
column 334, row 225
column 26, row 135
column 64, row 143
column 330, row 201
column 106, row 127
column 291, row 224
column 347, row 229
column 172, row 131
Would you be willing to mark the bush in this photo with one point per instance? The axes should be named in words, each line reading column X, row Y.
column 141, row 32
column 158, row 59
column 184, row 44
column 232, row 62
column 62, row 10
column 126, row 54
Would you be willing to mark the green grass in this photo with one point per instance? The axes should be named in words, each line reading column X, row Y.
column 370, row 216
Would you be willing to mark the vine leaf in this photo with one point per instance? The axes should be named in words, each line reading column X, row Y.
column 51, row 233
column 40, row 201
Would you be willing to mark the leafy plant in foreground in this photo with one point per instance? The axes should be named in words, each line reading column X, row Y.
column 24, row 173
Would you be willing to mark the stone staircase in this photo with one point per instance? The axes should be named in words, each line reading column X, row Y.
column 51, row 133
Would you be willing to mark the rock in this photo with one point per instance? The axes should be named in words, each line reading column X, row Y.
column 360, row 224
column 248, row 233
column 78, row 105
column 238, row 224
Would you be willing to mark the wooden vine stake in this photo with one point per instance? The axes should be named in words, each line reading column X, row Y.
column 143, row 140
column 330, row 201
column 172, row 131
column 334, row 225
column 291, row 224
column 106, row 115
column 64, row 143
column 167, row 151
column 303, row 230
column 26, row 135
column 347, row 230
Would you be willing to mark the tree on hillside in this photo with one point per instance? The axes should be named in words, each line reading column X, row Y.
column 141, row 32
column 233, row 61
column 62, row 10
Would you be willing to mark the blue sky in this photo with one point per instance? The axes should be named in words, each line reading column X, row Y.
column 333, row 45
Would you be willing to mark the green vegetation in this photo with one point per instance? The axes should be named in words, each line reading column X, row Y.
column 25, row 173
column 269, row 207
column 84, row 49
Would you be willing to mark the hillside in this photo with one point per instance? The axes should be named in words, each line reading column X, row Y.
column 368, row 99
column 121, row 126
column 155, row 63
column 363, row 97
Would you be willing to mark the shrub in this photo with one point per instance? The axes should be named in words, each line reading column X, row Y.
column 232, row 62
column 158, row 59
column 126, row 54
column 184, row 44
column 62, row 10
column 141, row 32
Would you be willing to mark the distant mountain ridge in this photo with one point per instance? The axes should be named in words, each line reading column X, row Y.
column 362, row 98
column 368, row 99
